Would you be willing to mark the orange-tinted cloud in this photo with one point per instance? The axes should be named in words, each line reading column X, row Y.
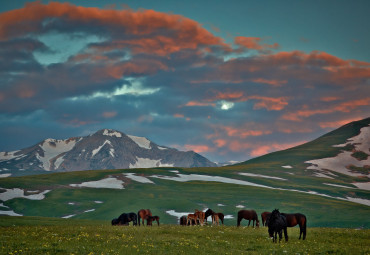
column 109, row 115
column 342, row 107
column 163, row 33
column 270, row 103
column 270, row 82
column 198, row 148
column 336, row 124
column 260, row 150
column 253, row 43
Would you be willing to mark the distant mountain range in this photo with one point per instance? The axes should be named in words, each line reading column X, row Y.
column 105, row 149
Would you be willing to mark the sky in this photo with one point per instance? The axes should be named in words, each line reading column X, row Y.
column 231, row 80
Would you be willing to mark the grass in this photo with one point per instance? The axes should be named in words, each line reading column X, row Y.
column 70, row 237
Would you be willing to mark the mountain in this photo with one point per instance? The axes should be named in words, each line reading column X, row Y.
column 105, row 149
column 341, row 156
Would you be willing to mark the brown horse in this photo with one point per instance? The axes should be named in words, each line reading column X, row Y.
column 248, row 215
column 190, row 218
column 294, row 219
column 209, row 212
column 215, row 219
column 150, row 219
column 143, row 215
column 201, row 215
column 264, row 217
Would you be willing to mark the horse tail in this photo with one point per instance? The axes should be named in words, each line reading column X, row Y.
column 239, row 220
column 304, row 227
column 138, row 217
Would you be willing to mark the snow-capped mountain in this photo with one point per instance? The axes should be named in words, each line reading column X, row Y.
column 105, row 149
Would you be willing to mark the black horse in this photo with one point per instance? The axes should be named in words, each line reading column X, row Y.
column 209, row 212
column 125, row 218
column 276, row 224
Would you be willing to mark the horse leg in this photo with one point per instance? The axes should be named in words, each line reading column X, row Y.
column 249, row 222
column 238, row 223
column 280, row 235
column 286, row 234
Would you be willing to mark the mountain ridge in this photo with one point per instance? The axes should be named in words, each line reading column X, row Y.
column 105, row 149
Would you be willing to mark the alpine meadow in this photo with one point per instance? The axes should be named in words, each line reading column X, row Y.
column 184, row 127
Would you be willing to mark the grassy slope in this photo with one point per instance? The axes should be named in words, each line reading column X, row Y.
column 181, row 197
column 185, row 197
column 70, row 237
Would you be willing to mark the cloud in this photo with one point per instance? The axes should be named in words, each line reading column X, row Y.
column 74, row 69
column 254, row 43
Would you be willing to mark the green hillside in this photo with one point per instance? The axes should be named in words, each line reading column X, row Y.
column 262, row 184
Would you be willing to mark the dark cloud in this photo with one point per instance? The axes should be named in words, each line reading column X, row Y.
column 165, row 77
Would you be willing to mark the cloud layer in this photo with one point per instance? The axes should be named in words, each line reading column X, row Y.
column 68, row 70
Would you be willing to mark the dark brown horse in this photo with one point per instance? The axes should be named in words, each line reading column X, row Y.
column 209, row 212
column 264, row 217
column 294, row 219
column 150, row 220
column 143, row 215
column 248, row 215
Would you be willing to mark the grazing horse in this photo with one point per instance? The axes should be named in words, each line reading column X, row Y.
column 294, row 219
column 143, row 215
column 265, row 217
column 183, row 220
column 132, row 217
column 276, row 224
column 248, row 215
column 201, row 215
column 115, row 222
column 150, row 219
column 190, row 218
column 209, row 212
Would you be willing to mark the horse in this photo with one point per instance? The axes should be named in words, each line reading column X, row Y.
column 183, row 220
column 200, row 215
column 150, row 219
column 264, row 217
column 115, row 222
column 276, row 224
column 294, row 219
column 143, row 215
column 209, row 212
column 132, row 217
column 248, row 215
column 215, row 219
column 190, row 218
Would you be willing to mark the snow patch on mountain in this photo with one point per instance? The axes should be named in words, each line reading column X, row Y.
column 140, row 179
column 112, row 133
column 263, row 176
column 95, row 151
column 19, row 193
column 107, row 183
column 53, row 148
column 4, row 156
column 148, row 163
column 141, row 141
column 344, row 159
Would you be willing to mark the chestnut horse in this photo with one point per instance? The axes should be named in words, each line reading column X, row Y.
column 201, row 215
column 294, row 219
column 150, row 220
column 248, row 215
column 190, row 218
column 143, row 215
column 264, row 217
column 215, row 219
column 209, row 212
